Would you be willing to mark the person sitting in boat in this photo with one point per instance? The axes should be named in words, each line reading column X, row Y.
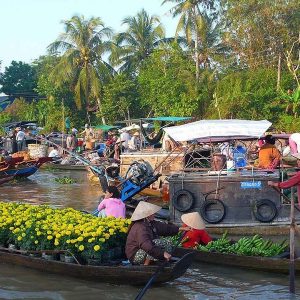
column 143, row 244
column 197, row 234
column 135, row 143
column 269, row 156
column 112, row 205
column 54, row 153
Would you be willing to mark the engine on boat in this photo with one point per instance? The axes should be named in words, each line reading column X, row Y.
column 139, row 171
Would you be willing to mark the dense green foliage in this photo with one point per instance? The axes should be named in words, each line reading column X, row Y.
column 18, row 78
column 227, row 59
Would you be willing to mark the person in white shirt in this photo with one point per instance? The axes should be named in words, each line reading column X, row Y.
column 135, row 143
column 20, row 138
column 125, row 138
column 54, row 153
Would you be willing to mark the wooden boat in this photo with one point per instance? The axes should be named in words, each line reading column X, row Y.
column 25, row 168
column 268, row 264
column 6, row 178
column 65, row 167
column 118, row 274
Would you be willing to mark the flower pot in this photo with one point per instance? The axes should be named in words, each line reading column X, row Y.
column 34, row 254
column 94, row 262
column 49, row 256
column 62, row 257
column 69, row 259
column 118, row 252
column 107, row 255
column 12, row 246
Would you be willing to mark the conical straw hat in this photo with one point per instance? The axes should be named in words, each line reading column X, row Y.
column 193, row 220
column 144, row 210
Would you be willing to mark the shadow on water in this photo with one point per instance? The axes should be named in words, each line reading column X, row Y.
column 202, row 281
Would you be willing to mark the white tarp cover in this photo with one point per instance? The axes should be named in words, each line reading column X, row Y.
column 217, row 128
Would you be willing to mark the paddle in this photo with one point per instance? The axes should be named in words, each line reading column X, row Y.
column 158, row 270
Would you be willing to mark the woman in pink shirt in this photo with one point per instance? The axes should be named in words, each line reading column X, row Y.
column 112, row 205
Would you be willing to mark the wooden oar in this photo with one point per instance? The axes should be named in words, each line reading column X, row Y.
column 158, row 270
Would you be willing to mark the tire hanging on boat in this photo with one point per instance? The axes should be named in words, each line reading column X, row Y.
column 206, row 209
column 183, row 200
column 258, row 213
column 157, row 138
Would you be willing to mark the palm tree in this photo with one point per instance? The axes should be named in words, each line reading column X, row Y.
column 191, row 22
column 82, row 46
column 142, row 36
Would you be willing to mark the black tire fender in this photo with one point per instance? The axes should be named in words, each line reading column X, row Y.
column 205, row 208
column 257, row 213
column 183, row 200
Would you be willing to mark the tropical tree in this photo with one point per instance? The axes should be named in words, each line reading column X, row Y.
column 167, row 83
column 121, row 99
column 191, row 22
column 81, row 65
column 260, row 31
column 142, row 36
column 18, row 79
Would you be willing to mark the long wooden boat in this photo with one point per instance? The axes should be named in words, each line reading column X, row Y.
column 268, row 264
column 24, row 169
column 65, row 167
column 6, row 178
column 132, row 275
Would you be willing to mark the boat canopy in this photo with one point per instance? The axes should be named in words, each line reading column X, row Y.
column 218, row 128
column 105, row 127
column 168, row 119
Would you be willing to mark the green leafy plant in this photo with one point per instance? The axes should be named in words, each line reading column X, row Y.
column 65, row 180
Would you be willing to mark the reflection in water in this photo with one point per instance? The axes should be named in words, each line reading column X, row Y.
column 202, row 281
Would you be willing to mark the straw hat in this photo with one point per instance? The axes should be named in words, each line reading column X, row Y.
column 144, row 210
column 193, row 220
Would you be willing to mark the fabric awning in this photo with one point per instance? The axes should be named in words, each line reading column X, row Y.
column 218, row 128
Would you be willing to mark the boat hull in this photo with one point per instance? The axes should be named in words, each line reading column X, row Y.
column 22, row 172
column 268, row 264
column 65, row 167
column 132, row 275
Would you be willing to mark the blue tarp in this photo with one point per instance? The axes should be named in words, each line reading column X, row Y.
column 168, row 119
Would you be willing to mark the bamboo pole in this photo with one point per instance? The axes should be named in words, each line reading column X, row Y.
column 292, row 245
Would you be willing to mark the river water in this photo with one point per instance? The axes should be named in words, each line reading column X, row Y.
column 202, row 281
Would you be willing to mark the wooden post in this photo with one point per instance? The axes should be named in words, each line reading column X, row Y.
column 278, row 73
column 292, row 245
column 63, row 128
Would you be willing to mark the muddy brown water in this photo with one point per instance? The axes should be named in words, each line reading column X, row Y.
column 202, row 281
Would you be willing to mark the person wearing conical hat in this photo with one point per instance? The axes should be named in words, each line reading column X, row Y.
column 197, row 234
column 143, row 244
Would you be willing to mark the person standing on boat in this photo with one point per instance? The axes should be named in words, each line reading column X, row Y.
column 143, row 244
column 197, row 235
column 112, row 205
column 125, row 138
column 73, row 142
column 20, row 138
column 14, row 146
column 293, row 181
column 269, row 156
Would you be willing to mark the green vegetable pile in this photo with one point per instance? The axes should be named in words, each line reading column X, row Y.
column 250, row 246
column 65, row 180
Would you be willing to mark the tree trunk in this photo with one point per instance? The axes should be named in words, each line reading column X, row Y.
column 100, row 109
